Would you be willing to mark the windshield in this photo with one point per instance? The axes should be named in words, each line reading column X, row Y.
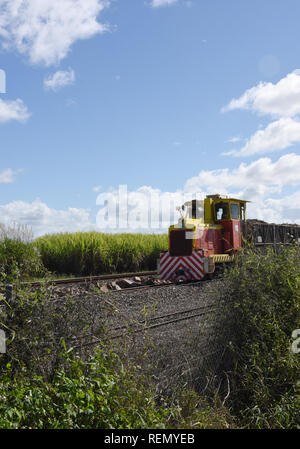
column 195, row 209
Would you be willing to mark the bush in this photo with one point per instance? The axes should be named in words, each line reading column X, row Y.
column 98, row 393
column 19, row 261
column 259, row 304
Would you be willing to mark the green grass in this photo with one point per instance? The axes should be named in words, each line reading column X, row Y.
column 76, row 254
column 94, row 253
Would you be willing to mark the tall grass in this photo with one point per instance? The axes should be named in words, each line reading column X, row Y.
column 16, row 231
column 93, row 253
column 79, row 254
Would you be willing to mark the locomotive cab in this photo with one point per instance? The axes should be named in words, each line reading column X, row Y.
column 231, row 215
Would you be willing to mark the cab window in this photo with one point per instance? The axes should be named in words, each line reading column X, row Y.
column 222, row 211
column 243, row 214
column 196, row 210
column 234, row 209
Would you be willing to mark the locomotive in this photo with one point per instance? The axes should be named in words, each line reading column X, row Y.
column 208, row 232
column 212, row 231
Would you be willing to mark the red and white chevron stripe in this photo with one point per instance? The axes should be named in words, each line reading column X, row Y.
column 181, row 267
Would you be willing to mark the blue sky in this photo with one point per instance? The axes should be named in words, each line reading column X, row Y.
column 166, row 97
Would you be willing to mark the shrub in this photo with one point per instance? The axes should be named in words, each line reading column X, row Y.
column 259, row 304
column 98, row 393
column 19, row 260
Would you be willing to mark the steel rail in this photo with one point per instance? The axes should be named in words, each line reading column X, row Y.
column 159, row 317
column 163, row 324
column 85, row 279
column 141, row 287
column 207, row 309
column 94, row 279
column 144, row 328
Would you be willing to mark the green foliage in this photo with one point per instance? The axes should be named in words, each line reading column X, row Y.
column 98, row 393
column 92, row 253
column 260, row 304
column 35, row 324
column 19, row 260
column 190, row 410
column 79, row 254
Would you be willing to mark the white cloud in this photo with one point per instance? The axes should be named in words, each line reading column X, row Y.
column 151, row 210
column 13, row 110
column 279, row 100
column 257, row 179
column 159, row 3
column 276, row 100
column 8, row 175
column 43, row 219
column 59, row 79
column 277, row 135
column 45, row 30
column 283, row 210
column 262, row 182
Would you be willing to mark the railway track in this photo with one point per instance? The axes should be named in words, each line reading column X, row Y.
column 142, row 326
column 163, row 320
column 100, row 281
column 152, row 323
column 87, row 279
column 132, row 327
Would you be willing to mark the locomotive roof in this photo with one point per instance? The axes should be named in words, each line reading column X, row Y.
column 216, row 197
column 234, row 199
column 219, row 197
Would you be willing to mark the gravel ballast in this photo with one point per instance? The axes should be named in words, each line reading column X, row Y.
column 172, row 353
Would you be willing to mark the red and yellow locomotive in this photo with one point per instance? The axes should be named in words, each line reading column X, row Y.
column 208, row 232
